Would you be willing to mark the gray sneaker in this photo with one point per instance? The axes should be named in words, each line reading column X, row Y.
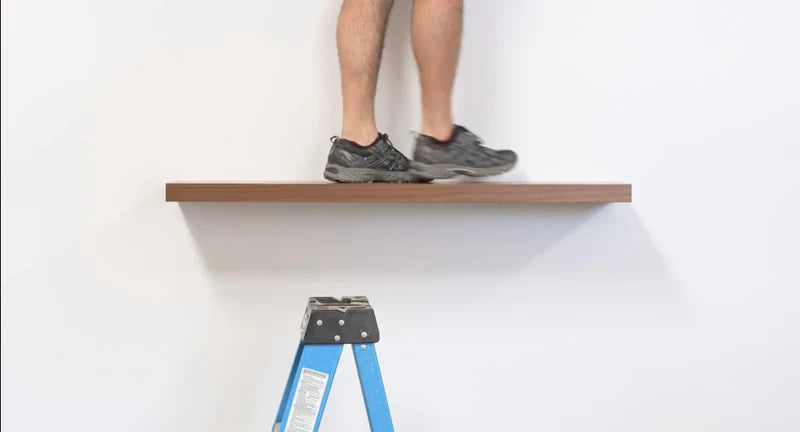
column 349, row 162
column 463, row 154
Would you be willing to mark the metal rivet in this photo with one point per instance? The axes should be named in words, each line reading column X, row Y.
column 337, row 338
column 319, row 323
column 341, row 323
column 363, row 347
column 364, row 335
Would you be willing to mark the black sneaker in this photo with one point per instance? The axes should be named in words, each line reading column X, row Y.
column 349, row 162
column 464, row 153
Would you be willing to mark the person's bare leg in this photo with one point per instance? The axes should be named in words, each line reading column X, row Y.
column 436, row 35
column 359, row 37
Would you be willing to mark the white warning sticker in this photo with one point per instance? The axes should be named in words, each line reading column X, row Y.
column 307, row 401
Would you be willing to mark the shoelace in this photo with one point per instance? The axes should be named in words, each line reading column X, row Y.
column 396, row 152
column 476, row 139
column 384, row 137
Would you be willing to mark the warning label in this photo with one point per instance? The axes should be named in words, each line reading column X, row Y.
column 307, row 401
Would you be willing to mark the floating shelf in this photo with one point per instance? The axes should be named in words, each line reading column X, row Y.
column 399, row 193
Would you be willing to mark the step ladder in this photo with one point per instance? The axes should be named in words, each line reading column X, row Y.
column 328, row 324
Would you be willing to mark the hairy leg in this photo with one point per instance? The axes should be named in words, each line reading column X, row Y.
column 359, row 38
column 436, row 35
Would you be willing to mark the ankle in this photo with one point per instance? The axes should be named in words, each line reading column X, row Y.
column 442, row 131
column 362, row 137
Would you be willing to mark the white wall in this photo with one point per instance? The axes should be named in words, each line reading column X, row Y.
column 679, row 312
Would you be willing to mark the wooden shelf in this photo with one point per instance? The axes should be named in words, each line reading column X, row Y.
column 399, row 193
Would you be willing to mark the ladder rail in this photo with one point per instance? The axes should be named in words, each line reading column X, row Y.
column 310, row 386
column 372, row 388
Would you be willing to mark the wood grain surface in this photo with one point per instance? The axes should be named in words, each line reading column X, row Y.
column 399, row 193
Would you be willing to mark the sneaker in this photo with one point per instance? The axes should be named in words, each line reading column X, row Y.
column 349, row 162
column 464, row 153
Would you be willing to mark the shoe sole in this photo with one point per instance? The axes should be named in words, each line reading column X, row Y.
column 340, row 174
column 446, row 171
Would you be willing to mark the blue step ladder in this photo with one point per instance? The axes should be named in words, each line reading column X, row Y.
column 329, row 324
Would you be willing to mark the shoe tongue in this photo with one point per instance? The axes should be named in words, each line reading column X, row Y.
column 384, row 146
column 458, row 129
column 381, row 145
column 460, row 134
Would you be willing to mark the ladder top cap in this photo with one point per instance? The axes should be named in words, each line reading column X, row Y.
column 334, row 303
column 345, row 320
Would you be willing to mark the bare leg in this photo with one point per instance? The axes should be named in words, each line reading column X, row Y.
column 359, row 37
column 436, row 34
